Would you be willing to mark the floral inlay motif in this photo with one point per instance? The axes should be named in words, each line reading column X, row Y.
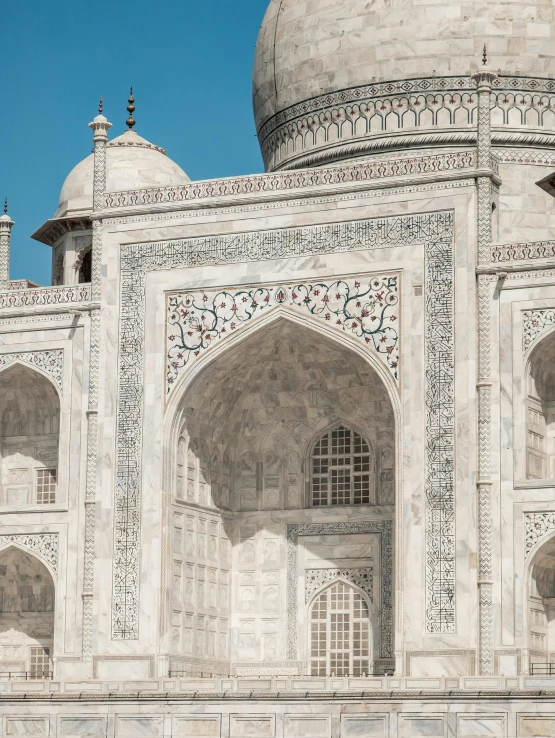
column 534, row 323
column 43, row 544
column 366, row 309
column 51, row 362
column 537, row 525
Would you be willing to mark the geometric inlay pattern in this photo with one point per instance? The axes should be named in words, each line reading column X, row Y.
column 316, row 578
column 432, row 230
column 365, row 308
column 51, row 362
column 534, row 323
column 537, row 525
column 43, row 544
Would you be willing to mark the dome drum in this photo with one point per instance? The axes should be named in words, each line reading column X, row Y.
column 318, row 88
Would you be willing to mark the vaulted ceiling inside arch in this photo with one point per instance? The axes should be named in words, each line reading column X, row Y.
column 280, row 387
column 29, row 404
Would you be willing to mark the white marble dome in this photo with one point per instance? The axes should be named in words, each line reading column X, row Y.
column 131, row 163
column 311, row 48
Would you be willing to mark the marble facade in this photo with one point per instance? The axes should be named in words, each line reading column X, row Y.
column 278, row 451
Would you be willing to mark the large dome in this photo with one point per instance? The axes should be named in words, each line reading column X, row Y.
column 131, row 163
column 309, row 49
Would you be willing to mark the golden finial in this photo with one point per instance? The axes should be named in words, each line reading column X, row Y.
column 100, row 106
column 130, row 109
column 485, row 56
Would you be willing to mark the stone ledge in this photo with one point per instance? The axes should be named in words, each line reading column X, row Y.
column 287, row 688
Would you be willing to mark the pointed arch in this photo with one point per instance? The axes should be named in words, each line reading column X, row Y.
column 340, row 638
column 50, row 562
column 540, row 606
column 246, row 334
column 27, row 605
column 30, row 413
column 53, row 375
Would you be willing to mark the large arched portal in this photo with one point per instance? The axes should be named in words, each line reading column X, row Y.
column 29, row 437
column 26, row 614
column 289, row 434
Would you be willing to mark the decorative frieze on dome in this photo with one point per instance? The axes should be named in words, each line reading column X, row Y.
column 370, row 116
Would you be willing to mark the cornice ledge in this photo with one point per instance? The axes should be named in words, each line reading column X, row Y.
column 55, row 228
column 307, row 193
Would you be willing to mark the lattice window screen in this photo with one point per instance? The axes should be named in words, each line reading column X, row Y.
column 339, row 633
column 341, row 469
column 46, row 486
column 40, row 663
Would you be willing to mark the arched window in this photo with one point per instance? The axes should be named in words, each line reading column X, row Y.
column 339, row 633
column 84, row 265
column 341, row 471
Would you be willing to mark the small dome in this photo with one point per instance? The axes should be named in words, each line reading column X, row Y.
column 131, row 163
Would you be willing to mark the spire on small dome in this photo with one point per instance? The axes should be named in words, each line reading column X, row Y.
column 5, row 221
column 485, row 56
column 130, row 109
column 100, row 106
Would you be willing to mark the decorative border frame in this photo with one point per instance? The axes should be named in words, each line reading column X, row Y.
column 434, row 230
column 45, row 545
column 385, row 529
column 50, row 362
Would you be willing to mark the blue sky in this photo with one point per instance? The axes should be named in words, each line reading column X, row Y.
column 190, row 65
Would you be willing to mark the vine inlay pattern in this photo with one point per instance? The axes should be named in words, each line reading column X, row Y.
column 537, row 525
column 50, row 362
column 365, row 308
column 534, row 324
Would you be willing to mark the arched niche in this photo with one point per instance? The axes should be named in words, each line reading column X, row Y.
column 27, row 598
column 83, row 264
column 541, row 608
column 29, row 437
column 540, row 410
column 240, row 469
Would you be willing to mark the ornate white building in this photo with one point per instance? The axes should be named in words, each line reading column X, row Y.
column 278, row 451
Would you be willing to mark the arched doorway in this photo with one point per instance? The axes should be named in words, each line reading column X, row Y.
column 340, row 632
column 26, row 615
column 285, row 412
column 29, row 437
